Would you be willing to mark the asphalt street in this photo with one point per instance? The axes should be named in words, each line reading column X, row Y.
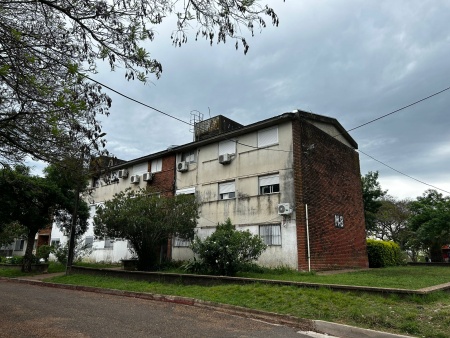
column 34, row 311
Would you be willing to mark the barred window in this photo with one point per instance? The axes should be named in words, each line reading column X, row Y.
column 181, row 242
column 270, row 234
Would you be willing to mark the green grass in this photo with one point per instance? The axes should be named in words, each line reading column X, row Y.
column 406, row 277
column 427, row 316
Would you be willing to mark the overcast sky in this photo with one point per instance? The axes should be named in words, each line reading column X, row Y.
column 348, row 59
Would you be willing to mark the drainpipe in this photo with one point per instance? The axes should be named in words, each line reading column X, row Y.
column 307, row 239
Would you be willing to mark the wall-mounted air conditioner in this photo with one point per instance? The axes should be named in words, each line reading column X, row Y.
column 284, row 209
column 123, row 173
column 135, row 179
column 182, row 166
column 147, row 176
column 225, row 158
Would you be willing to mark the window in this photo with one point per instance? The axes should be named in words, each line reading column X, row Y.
column 270, row 234
column 109, row 243
column 186, row 191
column 188, row 156
column 141, row 168
column 226, row 190
column 267, row 137
column 55, row 242
column 19, row 245
column 227, row 147
column 180, row 242
column 269, row 184
column 88, row 242
column 157, row 165
column 96, row 182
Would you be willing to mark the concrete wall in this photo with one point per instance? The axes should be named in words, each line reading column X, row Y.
column 249, row 209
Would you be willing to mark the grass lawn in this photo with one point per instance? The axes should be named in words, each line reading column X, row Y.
column 405, row 277
column 420, row 316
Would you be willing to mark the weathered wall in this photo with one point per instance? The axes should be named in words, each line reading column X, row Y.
column 249, row 209
column 328, row 181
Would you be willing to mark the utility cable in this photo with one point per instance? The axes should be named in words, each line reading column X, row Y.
column 398, row 171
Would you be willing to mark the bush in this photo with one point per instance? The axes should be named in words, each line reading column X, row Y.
column 227, row 249
column 383, row 253
column 79, row 252
column 43, row 252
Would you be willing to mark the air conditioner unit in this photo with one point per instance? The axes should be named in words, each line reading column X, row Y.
column 284, row 209
column 123, row 173
column 225, row 158
column 135, row 179
column 147, row 177
column 182, row 166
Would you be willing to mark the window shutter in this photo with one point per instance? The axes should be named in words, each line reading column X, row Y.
column 269, row 180
column 140, row 168
column 227, row 147
column 267, row 137
column 227, row 187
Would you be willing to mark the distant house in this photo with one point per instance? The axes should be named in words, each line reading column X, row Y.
column 293, row 179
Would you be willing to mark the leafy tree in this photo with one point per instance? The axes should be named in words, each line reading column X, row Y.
column 10, row 232
column 227, row 249
column 430, row 222
column 48, row 49
column 391, row 221
column 372, row 193
column 32, row 202
column 147, row 221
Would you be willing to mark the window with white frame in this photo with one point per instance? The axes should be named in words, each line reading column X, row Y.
column 188, row 156
column 269, row 184
column 227, row 147
column 267, row 137
column 19, row 245
column 156, row 165
column 227, row 190
column 181, row 242
column 270, row 234
column 88, row 242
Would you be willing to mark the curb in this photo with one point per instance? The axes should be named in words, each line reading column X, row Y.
column 319, row 326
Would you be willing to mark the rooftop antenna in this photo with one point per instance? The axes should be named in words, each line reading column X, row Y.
column 196, row 117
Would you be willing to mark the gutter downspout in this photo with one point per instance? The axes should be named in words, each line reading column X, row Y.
column 307, row 238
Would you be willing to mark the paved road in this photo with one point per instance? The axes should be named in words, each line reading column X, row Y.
column 33, row 311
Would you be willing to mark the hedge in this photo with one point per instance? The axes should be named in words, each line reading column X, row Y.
column 383, row 253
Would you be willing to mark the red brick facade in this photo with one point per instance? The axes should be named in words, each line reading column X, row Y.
column 327, row 180
column 163, row 181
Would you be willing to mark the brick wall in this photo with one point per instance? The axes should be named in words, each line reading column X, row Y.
column 163, row 181
column 327, row 179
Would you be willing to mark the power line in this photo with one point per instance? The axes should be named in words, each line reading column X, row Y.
column 134, row 100
column 289, row 151
column 397, row 110
column 398, row 171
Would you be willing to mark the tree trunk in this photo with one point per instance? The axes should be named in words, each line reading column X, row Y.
column 436, row 253
column 28, row 258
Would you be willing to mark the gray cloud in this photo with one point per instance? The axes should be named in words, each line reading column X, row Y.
column 352, row 60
